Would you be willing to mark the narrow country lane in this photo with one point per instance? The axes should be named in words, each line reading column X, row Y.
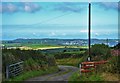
column 62, row 75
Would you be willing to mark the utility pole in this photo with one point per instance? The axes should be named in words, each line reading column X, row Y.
column 89, row 31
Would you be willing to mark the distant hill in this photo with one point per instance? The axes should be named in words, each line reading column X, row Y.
column 81, row 42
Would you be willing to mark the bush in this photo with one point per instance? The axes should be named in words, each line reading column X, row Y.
column 117, row 46
column 100, row 52
column 33, row 60
column 113, row 65
column 63, row 55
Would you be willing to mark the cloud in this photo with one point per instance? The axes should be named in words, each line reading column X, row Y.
column 52, row 34
column 19, row 7
column 30, row 7
column 85, row 31
column 69, row 7
column 96, row 34
column 109, row 5
column 27, row 8
column 9, row 8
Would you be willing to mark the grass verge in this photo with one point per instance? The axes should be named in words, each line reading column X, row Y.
column 31, row 74
column 85, row 77
column 110, row 76
column 69, row 61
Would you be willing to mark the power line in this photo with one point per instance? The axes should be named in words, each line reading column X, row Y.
column 48, row 20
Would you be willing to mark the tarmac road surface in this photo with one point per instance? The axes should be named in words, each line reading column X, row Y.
column 62, row 75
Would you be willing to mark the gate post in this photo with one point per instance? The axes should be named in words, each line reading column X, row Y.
column 80, row 68
column 7, row 72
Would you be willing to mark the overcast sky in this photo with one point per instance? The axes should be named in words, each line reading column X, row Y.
column 58, row 20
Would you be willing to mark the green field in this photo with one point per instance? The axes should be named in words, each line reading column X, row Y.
column 75, row 52
column 39, row 46
column 35, row 46
column 13, row 45
column 30, row 46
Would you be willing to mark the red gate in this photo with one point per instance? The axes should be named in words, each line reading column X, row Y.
column 90, row 66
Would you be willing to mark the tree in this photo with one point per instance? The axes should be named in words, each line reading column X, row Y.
column 100, row 52
column 117, row 46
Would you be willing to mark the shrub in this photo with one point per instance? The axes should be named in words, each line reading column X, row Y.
column 100, row 52
column 33, row 60
column 78, row 54
column 113, row 65
column 117, row 46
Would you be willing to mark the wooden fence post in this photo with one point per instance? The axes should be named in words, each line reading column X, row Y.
column 80, row 68
column 7, row 72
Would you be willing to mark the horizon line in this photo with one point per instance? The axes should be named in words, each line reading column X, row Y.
column 60, row 38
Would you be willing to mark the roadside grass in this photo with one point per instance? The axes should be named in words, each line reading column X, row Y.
column 110, row 76
column 105, row 73
column 92, row 76
column 69, row 61
column 103, row 77
column 30, row 74
column 72, row 61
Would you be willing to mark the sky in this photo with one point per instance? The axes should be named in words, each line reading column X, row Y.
column 65, row 20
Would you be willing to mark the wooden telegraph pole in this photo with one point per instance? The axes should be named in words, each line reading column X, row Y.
column 89, row 31
column 82, row 66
